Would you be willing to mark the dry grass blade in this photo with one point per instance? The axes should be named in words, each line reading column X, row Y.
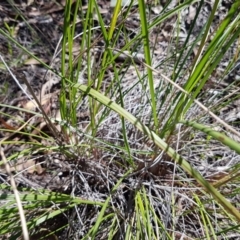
column 18, row 200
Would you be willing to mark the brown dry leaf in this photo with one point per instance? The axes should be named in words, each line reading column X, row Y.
column 29, row 2
column 29, row 165
column 6, row 125
column 31, row 105
column 39, row 169
column 59, row 119
column 49, row 7
column 32, row 61
column 23, row 165
column 39, row 128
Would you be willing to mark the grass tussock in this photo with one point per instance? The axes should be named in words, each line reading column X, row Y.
column 120, row 122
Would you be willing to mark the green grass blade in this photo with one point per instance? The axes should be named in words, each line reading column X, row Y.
column 92, row 233
column 145, row 36
column 227, row 141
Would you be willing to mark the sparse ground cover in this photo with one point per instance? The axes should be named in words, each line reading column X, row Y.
column 119, row 122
